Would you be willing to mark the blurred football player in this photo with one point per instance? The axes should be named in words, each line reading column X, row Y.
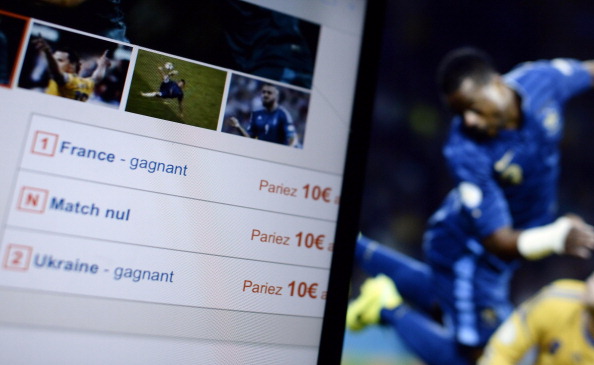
column 554, row 327
column 169, row 88
column 503, row 152
column 272, row 123
column 64, row 65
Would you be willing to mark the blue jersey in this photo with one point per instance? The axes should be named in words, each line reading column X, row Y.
column 273, row 126
column 510, row 180
column 171, row 90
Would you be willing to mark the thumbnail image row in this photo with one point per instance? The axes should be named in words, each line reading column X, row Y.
column 87, row 69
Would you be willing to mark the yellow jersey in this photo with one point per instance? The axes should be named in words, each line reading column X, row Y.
column 552, row 326
column 76, row 87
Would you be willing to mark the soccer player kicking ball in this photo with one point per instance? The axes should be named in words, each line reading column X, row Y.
column 169, row 88
column 503, row 152
column 558, row 323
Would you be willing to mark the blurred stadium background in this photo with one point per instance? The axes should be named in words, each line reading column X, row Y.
column 406, row 174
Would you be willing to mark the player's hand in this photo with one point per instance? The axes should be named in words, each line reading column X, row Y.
column 580, row 239
column 234, row 122
column 103, row 60
column 40, row 44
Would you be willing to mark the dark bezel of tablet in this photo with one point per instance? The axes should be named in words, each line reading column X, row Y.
column 351, row 195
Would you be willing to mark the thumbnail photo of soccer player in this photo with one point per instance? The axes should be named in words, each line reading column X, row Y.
column 555, row 326
column 169, row 88
column 11, row 36
column 503, row 153
column 176, row 90
column 74, row 66
column 266, row 111
column 64, row 68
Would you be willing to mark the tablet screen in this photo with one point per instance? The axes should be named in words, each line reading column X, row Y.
column 172, row 177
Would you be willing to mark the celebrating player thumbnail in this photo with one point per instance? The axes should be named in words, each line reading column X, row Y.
column 64, row 66
column 503, row 152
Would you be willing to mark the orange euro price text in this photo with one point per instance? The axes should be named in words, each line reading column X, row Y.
column 310, row 240
column 304, row 290
column 318, row 193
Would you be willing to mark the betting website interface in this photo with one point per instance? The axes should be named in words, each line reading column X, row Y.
column 171, row 178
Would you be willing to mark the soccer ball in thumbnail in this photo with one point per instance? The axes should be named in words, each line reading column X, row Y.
column 168, row 66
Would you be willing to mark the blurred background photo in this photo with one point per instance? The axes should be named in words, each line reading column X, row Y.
column 407, row 177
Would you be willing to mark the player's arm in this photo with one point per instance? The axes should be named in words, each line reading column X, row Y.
column 290, row 130
column 54, row 70
column 567, row 235
column 234, row 122
column 487, row 208
column 102, row 65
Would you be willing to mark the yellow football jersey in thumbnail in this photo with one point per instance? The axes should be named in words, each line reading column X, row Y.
column 76, row 87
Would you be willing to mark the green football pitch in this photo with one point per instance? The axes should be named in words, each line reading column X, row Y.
column 203, row 92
